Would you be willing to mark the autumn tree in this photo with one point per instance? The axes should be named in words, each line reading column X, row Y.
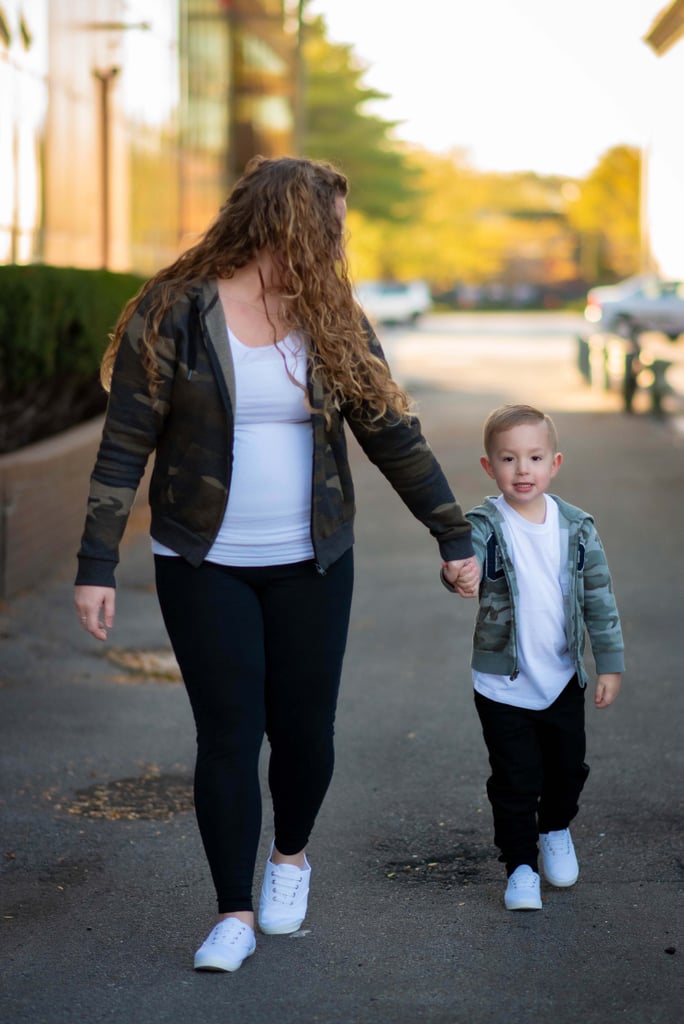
column 413, row 213
column 605, row 211
column 473, row 228
column 446, row 238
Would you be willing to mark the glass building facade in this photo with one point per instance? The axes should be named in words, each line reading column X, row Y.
column 23, row 114
column 124, row 122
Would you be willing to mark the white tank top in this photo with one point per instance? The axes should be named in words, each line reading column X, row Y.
column 268, row 515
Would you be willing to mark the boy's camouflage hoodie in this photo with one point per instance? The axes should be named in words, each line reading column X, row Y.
column 590, row 602
column 189, row 424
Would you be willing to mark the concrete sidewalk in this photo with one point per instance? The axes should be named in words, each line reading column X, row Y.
column 105, row 891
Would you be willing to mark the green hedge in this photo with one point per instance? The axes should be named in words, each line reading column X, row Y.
column 54, row 327
column 56, row 320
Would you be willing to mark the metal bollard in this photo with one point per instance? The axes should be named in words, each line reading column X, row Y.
column 583, row 360
column 659, row 388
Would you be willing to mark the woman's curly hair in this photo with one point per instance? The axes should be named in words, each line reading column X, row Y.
column 285, row 206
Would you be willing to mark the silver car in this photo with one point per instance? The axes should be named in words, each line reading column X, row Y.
column 637, row 305
column 394, row 302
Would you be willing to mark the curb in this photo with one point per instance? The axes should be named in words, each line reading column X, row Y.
column 43, row 496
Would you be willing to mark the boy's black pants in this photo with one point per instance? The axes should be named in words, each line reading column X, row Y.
column 538, row 770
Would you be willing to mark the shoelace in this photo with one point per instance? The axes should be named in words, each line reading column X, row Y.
column 558, row 844
column 284, row 887
column 233, row 935
column 526, row 882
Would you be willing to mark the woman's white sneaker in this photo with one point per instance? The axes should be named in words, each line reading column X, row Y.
column 523, row 890
column 284, row 897
column 226, row 946
column 558, row 859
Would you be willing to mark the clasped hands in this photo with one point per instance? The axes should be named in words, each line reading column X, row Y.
column 463, row 575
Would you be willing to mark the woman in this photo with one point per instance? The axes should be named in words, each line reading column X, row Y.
column 237, row 365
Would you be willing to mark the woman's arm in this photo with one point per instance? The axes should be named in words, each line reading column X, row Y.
column 132, row 425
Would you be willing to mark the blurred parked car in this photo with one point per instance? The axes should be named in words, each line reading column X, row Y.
column 636, row 305
column 394, row 302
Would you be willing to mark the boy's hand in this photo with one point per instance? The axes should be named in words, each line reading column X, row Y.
column 463, row 575
column 607, row 688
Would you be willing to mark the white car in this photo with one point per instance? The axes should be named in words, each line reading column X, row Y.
column 394, row 302
column 636, row 305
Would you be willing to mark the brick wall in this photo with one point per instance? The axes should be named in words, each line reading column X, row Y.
column 43, row 492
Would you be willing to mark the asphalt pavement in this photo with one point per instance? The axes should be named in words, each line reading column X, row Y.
column 105, row 891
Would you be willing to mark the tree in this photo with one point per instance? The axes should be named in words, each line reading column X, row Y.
column 413, row 213
column 340, row 129
column 446, row 239
column 606, row 215
column 474, row 228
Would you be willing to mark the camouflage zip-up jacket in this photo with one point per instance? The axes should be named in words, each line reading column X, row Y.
column 189, row 426
column 589, row 605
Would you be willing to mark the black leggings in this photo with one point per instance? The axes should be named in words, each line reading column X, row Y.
column 260, row 650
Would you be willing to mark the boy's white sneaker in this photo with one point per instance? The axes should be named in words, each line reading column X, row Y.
column 284, row 897
column 226, row 946
column 523, row 890
column 558, row 859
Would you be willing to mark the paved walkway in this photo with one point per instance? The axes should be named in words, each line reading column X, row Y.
column 105, row 893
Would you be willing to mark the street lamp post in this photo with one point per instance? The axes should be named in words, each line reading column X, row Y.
column 300, row 84
column 104, row 79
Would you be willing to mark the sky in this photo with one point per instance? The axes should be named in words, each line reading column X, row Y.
column 541, row 85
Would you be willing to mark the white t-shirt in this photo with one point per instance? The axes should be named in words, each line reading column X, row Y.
column 539, row 555
column 268, row 515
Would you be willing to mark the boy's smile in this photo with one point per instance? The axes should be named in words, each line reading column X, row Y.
column 522, row 462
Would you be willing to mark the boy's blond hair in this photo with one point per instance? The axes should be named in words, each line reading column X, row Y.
column 508, row 416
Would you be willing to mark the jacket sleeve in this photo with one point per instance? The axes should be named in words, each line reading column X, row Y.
column 601, row 615
column 402, row 454
column 132, row 424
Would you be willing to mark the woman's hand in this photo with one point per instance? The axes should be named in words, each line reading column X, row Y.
column 95, row 609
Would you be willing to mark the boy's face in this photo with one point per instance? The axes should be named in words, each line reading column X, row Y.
column 523, row 463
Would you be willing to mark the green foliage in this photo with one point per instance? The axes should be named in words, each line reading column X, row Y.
column 56, row 320
column 340, row 129
column 54, row 327
column 418, row 214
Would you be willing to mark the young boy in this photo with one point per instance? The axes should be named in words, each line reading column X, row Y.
column 544, row 580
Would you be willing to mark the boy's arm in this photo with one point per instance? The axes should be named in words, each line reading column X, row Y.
column 602, row 620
